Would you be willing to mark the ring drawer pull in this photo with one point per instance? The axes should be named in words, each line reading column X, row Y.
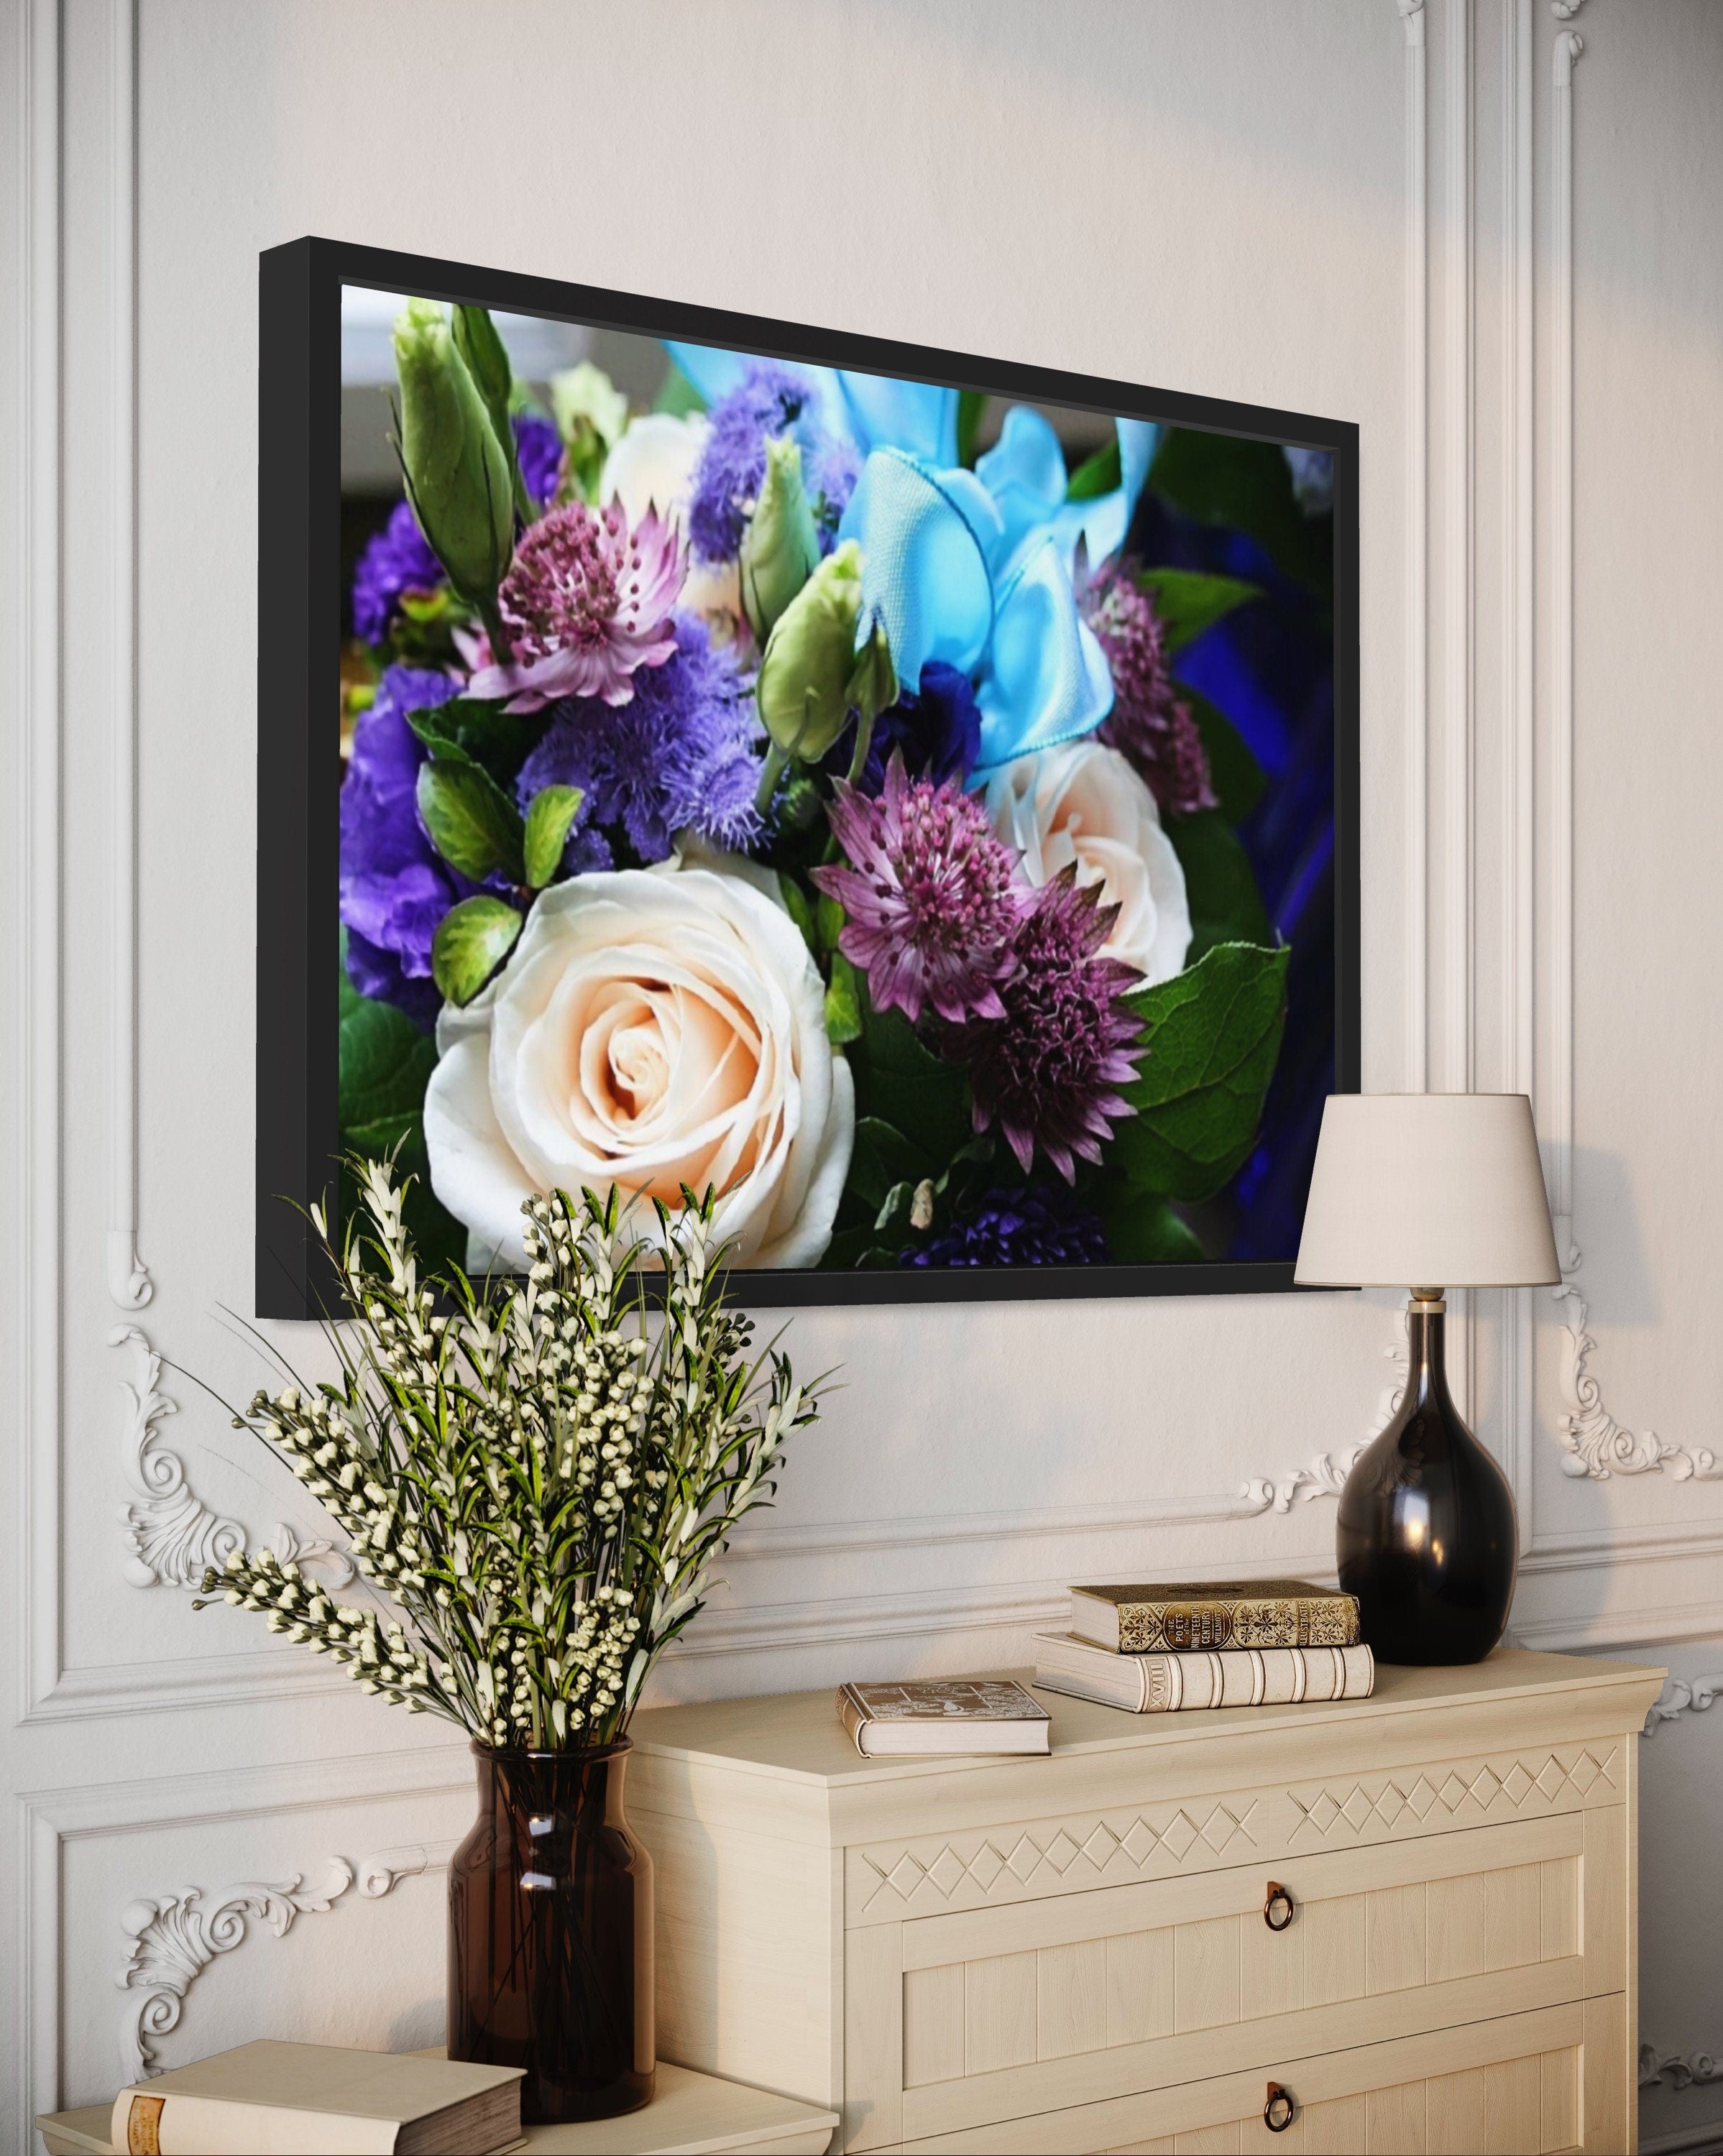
column 1277, row 1909
column 1280, row 2111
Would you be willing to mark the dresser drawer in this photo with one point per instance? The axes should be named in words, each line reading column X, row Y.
column 1009, row 2012
column 1537, row 2082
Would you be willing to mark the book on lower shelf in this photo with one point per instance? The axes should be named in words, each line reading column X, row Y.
column 1178, row 1616
column 949, row 1715
column 1229, row 1676
column 275, row 2099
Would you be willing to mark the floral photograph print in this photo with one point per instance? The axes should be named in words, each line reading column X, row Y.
column 906, row 813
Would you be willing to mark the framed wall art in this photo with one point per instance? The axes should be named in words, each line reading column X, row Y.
column 912, row 795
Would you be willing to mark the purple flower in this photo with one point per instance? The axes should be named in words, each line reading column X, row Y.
column 395, row 560
column 394, row 886
column 769, row 400
column 932, row 902
column 679, row 755
column 938, row 732
column 1032, row 1227
column 1148, row 724
column 587, row 602
column 539, row 447
column 1047, row 1069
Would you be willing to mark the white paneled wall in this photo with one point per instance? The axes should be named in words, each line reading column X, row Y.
column 1485, row 229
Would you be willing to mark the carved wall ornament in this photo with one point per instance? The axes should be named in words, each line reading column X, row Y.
column 172, row 1535
column 1676, row 2069
column 172, row 1941
column 1326, row 1477
column 1683, row 1696
column 1593, row 1442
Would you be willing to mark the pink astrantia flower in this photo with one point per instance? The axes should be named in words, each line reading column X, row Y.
column 1047, row 1071
column 932, row 898
column 1150, row 723
column 585, row 602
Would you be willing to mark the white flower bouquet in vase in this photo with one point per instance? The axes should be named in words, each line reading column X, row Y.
column 538, row 1474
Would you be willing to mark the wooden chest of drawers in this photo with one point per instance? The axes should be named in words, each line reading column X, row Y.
column 1072, row 1953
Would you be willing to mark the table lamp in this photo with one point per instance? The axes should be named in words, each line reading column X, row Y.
column 1427, row 1191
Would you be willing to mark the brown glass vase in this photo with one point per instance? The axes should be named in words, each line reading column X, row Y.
column 550, row 1934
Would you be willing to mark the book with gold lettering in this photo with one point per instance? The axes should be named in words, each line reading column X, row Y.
column 943, row 1714
column 1183, row 1616
column 1231, row 1676
column 274, row 2099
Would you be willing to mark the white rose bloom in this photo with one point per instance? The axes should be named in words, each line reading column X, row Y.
column 653, row 465
column 649, row 1031
column 1084, row 803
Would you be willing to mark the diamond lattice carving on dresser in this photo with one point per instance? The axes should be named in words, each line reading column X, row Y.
column 1488, row 1789
column 998, row 1866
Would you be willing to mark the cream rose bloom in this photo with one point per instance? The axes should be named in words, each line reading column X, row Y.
column 1083, row 804
column 649, row 1031
column 654, row 465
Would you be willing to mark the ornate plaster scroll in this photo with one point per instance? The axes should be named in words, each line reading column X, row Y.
column 1676, row 2069
column 1683, row 1696
column 1593, row 1442
column 1326, row 1477
column 172, row 1941
column 173, row 1537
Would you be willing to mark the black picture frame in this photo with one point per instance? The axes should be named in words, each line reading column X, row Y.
column 299, row 600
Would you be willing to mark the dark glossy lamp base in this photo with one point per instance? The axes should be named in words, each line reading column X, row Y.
column 1427, row 1538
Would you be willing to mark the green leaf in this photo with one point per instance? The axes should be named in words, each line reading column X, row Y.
column 550, row 817
column 1246, row 486
column 1226, row 906
column 796, row 906
column 1098, row 474
column 1142, row 1229
column 843, row 1003
column 465, row 732
column 882, row 1157
column 384, row 1062
column 1240, row 781
column 473, row 823
column 828, row 923
column 471, row 942
column 1186, row 601
column 971, row 403
column 1212, row 1037
column 904, row 1084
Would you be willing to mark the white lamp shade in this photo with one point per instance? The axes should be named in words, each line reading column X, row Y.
column 1427, row 1190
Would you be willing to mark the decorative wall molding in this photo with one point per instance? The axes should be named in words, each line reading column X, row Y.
column 1675, row 2069
column 129, row 1282
column 174, row 1537
column 1593, row 1442
column 37, row 905
column 1326, row 1475
column 174, row 1940
column 1683, row 1696
column 1416, row 840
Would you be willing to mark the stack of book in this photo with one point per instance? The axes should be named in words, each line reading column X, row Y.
column 1153, row 1650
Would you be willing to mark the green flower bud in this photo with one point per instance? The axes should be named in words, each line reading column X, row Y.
column 804, row 690
column 457, row 475
column 591, row 414
column 487, row 362
column 780, row 548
